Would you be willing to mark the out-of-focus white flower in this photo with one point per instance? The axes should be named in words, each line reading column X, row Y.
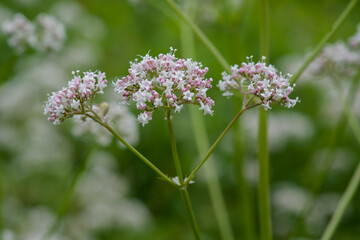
column 106, row 207
column 336, row 58
column 284, row 127
column 260, row 80
column 165, row 82
column 21, row 32
column 119, row 117
column 354, row 41
column 288, row 197
column 51, row 33
column 45, row 34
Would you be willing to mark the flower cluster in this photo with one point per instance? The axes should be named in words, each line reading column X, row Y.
column 72, row 100
column 260, row 80
column 340, row 58
column 336, row 58
column 45, row 34
column 51, row 33
column 165, row 82
column 21, row 32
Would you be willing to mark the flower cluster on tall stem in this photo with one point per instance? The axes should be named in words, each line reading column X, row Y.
column 77, row 98
column 165, row 82
column 260, row 80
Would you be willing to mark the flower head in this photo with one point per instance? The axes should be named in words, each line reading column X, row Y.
column 73, row 99
column 165, row 82
column 336, row 58
column 51, row 33
column 44, row 34
column 261, row 80
column 21, row 32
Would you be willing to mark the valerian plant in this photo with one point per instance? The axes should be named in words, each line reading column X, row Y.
column 166, row 82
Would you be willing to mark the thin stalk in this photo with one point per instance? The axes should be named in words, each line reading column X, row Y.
column 200, row 34
column 201, row 138
column 215, row 144
column 263, row 152
column 339, row 21
column 64, row 207
column 185, row 196
column 132, row 149
column 173, row 148
column 342, row 205
column 216, row 195
column 263, row 181
column 183, row 191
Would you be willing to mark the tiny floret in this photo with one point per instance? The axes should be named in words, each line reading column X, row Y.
column 165, row 82
column 177, row 182
column 260, row 80
column 75, row 99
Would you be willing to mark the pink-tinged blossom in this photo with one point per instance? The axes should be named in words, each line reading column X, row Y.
column 75, row 99
column 165, row 82
column 261, row 80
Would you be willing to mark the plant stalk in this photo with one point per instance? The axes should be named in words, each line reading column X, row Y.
column 183, row 191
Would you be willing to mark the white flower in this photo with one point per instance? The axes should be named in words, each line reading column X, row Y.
column 177, row 182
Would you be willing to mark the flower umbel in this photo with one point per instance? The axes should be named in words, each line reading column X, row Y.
column 260, row 80
column 77, row 98
column 165, row 82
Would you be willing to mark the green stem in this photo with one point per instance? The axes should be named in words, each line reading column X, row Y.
column 342, row 205
column 215, row 144
column 69, row 194
column 173, row 148
column 263, row 151
column 185, row 196
column 217, row 199
column 200, row 34
column 263, row 182
column 132, row 149
column 325, row 39
column 183, row 191
column 201, row 138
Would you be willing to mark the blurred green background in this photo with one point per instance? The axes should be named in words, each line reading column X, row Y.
column 118, row 197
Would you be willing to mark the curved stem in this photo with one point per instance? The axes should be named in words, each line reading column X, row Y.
column 215, row 144
column 173, row 148
column 200, row 34
column 325, row 39
column 202, row 143
column 183, row 191
column 132, row 149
